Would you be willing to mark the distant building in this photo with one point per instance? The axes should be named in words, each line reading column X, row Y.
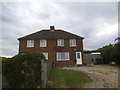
column 58, row 46
column 93, row 58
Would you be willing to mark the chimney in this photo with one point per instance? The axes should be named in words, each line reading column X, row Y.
column 52, row 28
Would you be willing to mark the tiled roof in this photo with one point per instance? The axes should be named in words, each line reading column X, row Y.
column 51, row 34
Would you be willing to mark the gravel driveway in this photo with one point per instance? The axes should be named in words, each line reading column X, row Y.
column 104, row 76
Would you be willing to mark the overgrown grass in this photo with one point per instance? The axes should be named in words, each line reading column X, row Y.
column 60, row 78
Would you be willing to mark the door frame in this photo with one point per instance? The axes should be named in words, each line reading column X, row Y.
column 78, row 60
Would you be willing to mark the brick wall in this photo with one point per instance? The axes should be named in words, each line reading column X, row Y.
column 52, row 48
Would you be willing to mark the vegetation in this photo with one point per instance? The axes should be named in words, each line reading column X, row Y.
column 90, row 51
column 3, row 78
column 110, row 53
column 23, row 70
column 67, row 79
column 106, row 52
column 4, row 82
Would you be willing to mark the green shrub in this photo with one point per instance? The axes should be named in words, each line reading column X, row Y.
column 24, row 70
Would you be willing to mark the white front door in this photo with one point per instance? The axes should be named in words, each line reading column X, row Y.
column 78, row 58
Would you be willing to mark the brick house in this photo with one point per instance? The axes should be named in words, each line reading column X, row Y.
column 58, row 46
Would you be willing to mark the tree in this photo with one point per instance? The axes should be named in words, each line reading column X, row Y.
column 105, row 52
column 117, row 39
column 111, row 53
column 115, row 54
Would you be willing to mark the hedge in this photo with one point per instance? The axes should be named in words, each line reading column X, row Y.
column 23, row 70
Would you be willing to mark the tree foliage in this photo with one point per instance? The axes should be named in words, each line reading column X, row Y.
column 111, row 53
column 105, row 52
column 115, row 54
column 23, row 70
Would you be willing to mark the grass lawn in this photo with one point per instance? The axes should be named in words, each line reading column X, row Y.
column 60, row 78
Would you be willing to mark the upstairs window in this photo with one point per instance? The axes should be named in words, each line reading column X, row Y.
column 46, row 55
column 72, row 42
column 43, row 43
column 60, row 42
column 30, row 43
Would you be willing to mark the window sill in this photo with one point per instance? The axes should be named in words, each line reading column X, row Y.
column 60, row 46
column 30, row 47
column 43, row 47
column 61, row 60
column 72, row 46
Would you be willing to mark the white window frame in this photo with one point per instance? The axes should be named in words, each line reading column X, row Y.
column 60, row 42
column 46, row 55
column 72, row 42
column 43, row 43
column 60, row 58
column 30, row 43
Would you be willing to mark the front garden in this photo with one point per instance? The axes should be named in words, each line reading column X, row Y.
column 60, row 78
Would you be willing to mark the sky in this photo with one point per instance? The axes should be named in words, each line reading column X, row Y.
column 97, row 22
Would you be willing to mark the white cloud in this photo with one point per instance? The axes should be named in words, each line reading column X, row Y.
column 107, row 30
column 97, row 22
column 59, row 1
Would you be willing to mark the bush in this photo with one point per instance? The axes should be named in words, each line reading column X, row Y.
column 24, row 70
